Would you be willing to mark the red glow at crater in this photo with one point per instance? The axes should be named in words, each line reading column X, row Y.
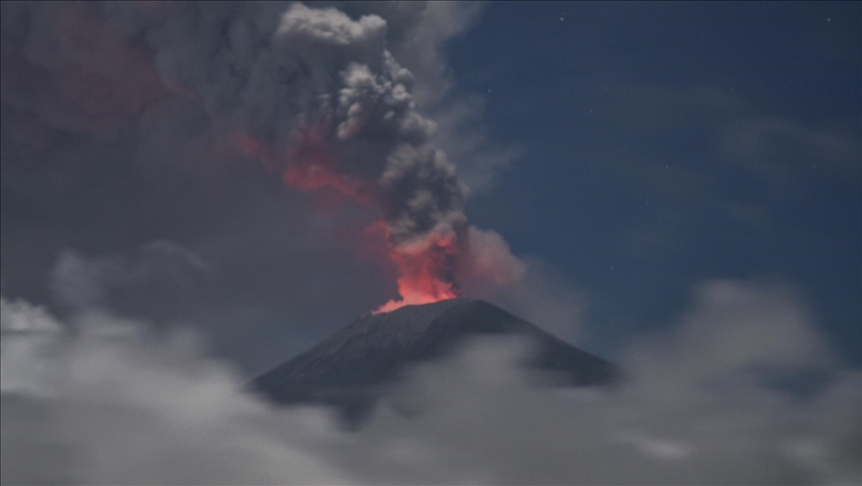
column 423, row 272
column 424, row 265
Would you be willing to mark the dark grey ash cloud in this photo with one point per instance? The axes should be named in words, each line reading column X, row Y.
column 118, row 130
column 281, row 74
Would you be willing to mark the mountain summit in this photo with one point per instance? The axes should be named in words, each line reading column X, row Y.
column 354, row 366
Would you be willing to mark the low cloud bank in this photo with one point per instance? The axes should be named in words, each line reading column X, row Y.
column 100, row 399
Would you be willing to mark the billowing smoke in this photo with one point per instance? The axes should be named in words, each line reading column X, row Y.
column 313, row 93
column 100, row 399
column 318, row 97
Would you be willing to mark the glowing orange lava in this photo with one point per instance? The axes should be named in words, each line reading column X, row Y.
column 424, row 272
column 413, row 296
column 424, row 264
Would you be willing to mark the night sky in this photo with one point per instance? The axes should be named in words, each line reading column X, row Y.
column 628, row 151
column 669, row 143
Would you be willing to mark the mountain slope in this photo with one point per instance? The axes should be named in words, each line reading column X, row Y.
column 354, row 366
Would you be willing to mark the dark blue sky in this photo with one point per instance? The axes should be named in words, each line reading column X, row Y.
column 668, row 143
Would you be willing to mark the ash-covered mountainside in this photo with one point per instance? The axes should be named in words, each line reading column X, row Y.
column 353, row 367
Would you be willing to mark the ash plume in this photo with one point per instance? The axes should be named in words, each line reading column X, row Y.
column 314, row 93
column 332, row 108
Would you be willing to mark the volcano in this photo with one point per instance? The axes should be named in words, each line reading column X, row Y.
column 357, row 365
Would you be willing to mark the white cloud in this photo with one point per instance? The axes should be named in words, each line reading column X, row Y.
column 528, row 287
column 782, row 149
column 422, row 47
column 102, row 407
column 779, row 149
column 21, row 316
column 82, row 281
column 461, row 133
column 131, row 407
column 735, row 327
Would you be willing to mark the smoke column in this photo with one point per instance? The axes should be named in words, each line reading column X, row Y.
column 313, row 93
column 317, row 96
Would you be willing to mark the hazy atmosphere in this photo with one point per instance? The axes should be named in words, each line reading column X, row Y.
column 659, row 205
